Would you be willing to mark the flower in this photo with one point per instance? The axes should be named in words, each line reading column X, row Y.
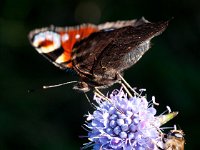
column 124, row 123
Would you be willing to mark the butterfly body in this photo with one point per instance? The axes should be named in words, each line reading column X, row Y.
column 97, row 53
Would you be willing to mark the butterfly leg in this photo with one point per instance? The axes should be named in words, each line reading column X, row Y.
column 102, row 96
column 126, row 86
column 87, row 97
column 126, row 89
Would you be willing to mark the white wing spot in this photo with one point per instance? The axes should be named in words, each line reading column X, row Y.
column 65, row 37
column 77, row 36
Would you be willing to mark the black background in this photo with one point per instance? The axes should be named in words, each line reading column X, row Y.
column 52, row 119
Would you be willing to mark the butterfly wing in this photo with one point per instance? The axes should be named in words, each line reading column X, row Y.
column 112, row 51
column 127, row 47
column 56, row 43
column 87, row 51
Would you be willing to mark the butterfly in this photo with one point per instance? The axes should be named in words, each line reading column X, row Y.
column 99, row 54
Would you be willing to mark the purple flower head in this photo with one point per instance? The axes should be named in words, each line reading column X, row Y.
column 124, row 123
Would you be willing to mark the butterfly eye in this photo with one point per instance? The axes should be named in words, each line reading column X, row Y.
column 177, row 134
column 46, row 42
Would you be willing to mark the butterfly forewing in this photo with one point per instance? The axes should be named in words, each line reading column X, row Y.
column 109, row 52
column 56, row 44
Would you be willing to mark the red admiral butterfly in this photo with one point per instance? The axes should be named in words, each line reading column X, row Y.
column 97, row 53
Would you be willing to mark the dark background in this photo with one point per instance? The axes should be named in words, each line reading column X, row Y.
column 52, row 119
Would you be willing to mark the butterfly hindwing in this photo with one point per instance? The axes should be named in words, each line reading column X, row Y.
column 127, row 47
column 112, row 51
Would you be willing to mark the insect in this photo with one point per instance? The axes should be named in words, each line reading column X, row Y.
column 99, row 54
column 174, row 140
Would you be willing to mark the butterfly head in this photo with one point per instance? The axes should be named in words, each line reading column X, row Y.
column 81, row 86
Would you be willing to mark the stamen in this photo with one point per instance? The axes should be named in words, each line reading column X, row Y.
column 141, row 91
column 169, row 109
column 175, row 127
column 154, row 101
column 166, row 128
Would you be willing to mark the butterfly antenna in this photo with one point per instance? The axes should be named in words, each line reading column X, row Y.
column 57, row 85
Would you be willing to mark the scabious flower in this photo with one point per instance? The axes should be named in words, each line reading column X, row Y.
column 124, row 123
